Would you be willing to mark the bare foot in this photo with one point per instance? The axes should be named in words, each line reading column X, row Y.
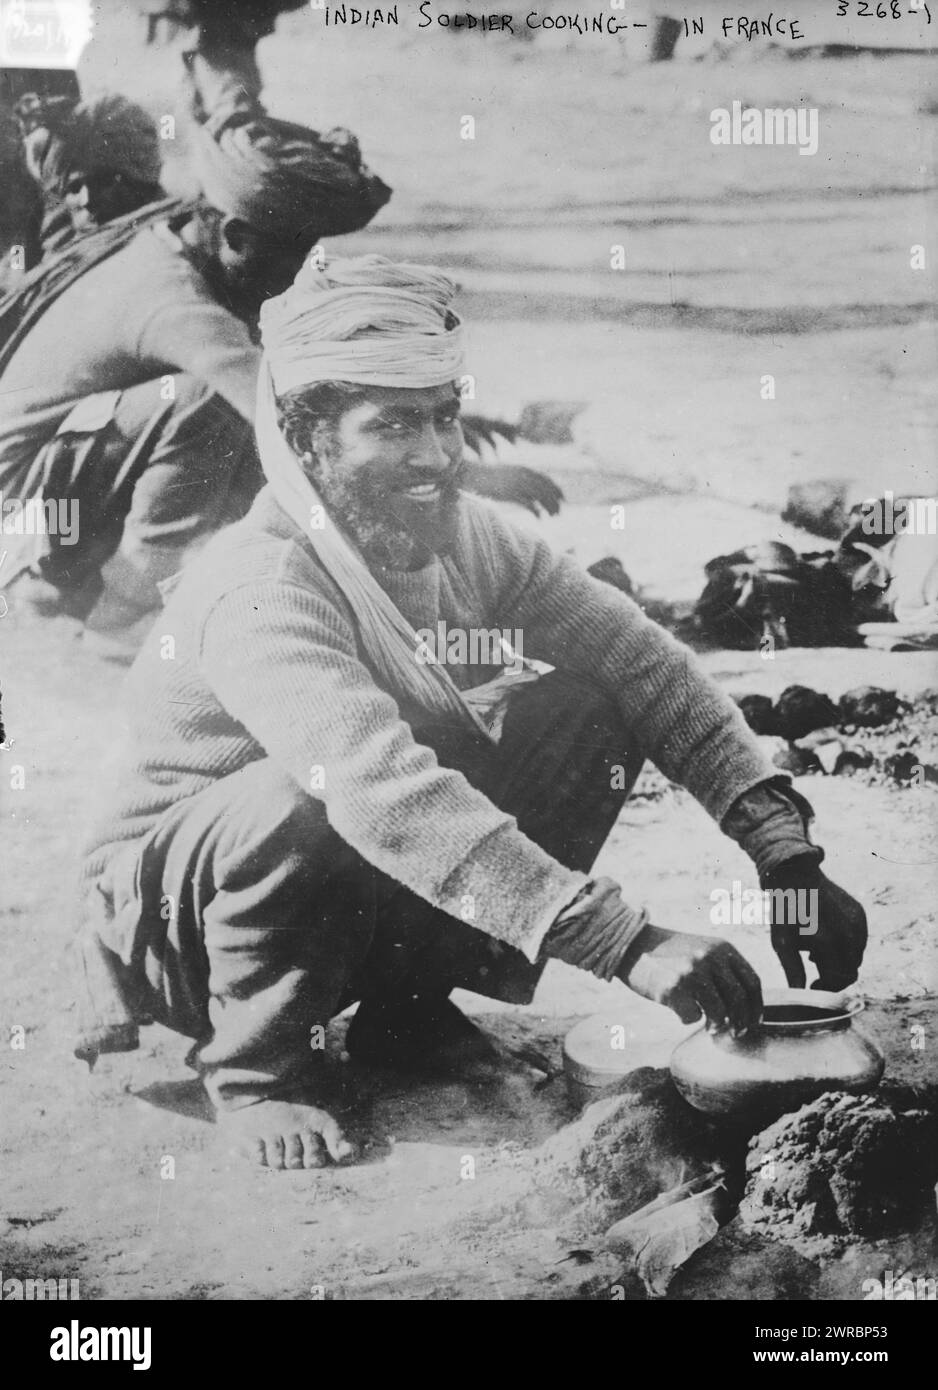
column 285, row 1134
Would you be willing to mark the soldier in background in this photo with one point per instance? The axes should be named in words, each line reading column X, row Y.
column 92, row 161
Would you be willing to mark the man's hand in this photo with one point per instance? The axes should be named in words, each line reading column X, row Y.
column 694, row 975
column 834, row 937
column 481, row 429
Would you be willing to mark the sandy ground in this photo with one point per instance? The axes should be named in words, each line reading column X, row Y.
column 83, row 1156
column 736, row 266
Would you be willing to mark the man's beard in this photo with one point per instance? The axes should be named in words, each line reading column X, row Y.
column 390, row 533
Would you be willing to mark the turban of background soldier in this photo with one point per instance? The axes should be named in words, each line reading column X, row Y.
column 283, row 179
column 107, row 134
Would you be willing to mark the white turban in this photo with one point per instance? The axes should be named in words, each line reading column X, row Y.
column 373, row 322
column 370, row 321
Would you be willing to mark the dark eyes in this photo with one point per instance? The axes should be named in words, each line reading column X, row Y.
column 400, row 427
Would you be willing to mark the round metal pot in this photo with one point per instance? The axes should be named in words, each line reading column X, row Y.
column 806, row 1044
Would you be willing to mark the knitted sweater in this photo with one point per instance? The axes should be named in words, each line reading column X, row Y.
column 264, row 661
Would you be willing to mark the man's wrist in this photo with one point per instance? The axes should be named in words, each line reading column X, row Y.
column 648, row 936
column 801, row 870
column 771, row 823
column 595, row 930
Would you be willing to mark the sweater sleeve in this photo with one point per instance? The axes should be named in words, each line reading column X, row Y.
column 692, row 731
column 283, row 661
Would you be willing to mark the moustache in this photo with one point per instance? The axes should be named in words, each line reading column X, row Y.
column 449, row 481
column 449, row 491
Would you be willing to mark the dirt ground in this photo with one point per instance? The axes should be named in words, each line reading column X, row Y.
column 735, row 268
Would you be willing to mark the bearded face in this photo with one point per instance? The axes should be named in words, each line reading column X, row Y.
column 388, row 472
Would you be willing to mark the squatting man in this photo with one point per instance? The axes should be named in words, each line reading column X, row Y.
column 304, row 816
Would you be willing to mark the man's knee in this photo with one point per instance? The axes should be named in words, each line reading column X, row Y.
column 199, row 454
column 269, row 823
column 283, row 898
column 199, row 411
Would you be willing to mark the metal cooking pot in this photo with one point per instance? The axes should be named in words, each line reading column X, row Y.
column 805, row 1044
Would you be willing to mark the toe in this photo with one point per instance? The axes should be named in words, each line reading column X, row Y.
column 274, row 1146
column 293, row 1151
column 315, row 1150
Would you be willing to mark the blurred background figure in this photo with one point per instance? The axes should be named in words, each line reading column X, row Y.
column 158, row 42
column 92, row 161
column 144, row 418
